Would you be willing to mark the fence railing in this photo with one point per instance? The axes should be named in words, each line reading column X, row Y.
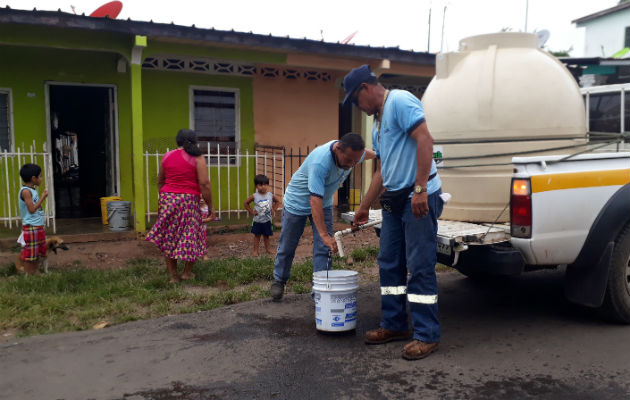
column 232, row 176
column 11, row 182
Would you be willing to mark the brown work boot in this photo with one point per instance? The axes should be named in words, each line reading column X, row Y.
column 417, row 349
column 382, row 335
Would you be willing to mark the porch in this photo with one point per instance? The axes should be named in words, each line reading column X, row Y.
column 72, row 230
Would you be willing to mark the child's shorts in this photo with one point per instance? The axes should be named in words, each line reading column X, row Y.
column 35, row 239
column 262, row 228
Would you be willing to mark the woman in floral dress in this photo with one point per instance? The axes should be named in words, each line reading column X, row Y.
column 182, row 180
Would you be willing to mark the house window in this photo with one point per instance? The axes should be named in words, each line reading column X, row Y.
column 5, row 122
column 627, row 38
column 215, row 119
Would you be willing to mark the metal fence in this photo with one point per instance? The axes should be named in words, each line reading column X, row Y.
column 11, row 182
column 232, row 177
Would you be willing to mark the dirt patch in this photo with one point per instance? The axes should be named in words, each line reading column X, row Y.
column 116, row 254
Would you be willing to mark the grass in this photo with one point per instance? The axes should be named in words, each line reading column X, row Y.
column 78, row 298
column 364, row 253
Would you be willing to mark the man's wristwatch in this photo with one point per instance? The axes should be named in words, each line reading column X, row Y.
column 419, row 189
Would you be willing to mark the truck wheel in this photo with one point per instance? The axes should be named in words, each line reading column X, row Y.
column 617, row 298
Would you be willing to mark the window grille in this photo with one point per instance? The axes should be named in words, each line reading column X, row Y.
column 5, row 122
column 216, row 115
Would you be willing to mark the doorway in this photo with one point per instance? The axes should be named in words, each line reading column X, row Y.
column 83, row 146
column 345, row 126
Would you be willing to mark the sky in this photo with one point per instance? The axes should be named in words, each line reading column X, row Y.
column 390, row 23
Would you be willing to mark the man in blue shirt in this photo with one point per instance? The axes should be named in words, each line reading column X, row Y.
column 310, row 195
column 407, row 177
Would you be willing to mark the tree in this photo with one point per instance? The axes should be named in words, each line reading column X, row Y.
column 561, row 53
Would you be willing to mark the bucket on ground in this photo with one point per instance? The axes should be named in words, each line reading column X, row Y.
column 104, row 201
column 335, row 295
column 118, row 215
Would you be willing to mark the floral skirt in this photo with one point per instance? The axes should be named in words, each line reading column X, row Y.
column 178, row 231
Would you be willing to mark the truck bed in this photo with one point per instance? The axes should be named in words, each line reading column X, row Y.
column 455, row 236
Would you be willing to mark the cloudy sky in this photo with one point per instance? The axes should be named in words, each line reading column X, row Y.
column 402, row 23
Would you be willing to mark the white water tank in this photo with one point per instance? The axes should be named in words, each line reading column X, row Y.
column 498, row 87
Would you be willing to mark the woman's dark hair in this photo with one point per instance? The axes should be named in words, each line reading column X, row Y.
column 28, row 171
column 187, row 138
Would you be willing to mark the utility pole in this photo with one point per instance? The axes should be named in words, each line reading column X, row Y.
column 442, row 38
column 526, row 13
column 429, row 35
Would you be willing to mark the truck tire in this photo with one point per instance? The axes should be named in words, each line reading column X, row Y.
column 617, row 298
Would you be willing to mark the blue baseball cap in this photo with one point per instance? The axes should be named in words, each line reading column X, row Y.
column 355, row 78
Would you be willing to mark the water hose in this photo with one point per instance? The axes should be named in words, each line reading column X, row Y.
column 353, row 229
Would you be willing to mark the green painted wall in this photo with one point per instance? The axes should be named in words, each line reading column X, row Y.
column 64, row 38
column 25, row 70
column 32, row 56
column 166, row 109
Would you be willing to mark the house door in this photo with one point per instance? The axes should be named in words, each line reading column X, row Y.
column 83, row 146
column 345, row 126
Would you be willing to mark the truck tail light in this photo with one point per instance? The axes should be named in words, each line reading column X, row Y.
column 521, row 208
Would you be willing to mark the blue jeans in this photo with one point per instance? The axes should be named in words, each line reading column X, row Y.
column 292, row 229
column 410, row 244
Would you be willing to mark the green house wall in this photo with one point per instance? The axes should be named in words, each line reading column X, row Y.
column 166, row 107
column 34, row 56
column 27, row 70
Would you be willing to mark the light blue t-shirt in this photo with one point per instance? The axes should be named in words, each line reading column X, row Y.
column 318, row 176
column 36, row 218
column 395, row 147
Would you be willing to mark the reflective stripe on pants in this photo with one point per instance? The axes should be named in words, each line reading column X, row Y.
column 393, row 290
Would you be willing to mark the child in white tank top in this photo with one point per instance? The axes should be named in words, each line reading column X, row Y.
column 265, row 203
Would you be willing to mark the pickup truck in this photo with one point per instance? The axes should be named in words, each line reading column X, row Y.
column 564, row 211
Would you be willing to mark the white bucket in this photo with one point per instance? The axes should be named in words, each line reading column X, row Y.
column 335, row 295
column 118, row 215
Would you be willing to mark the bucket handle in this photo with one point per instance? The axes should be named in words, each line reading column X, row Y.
column 328, row 265
column 109, row 215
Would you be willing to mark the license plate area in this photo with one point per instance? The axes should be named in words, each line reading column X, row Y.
column 446, row 251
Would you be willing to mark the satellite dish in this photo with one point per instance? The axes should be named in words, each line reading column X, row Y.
column 543, row 36
column 349, row 38
column 109, row 10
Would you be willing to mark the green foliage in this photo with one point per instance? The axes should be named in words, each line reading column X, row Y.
column 560, row 53
column 364, row 253
column 77, row 298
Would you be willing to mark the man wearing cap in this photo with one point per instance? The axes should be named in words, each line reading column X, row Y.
column 410, row 186
column 310, row 195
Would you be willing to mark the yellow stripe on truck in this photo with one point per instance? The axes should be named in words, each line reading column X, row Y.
column 576, row 180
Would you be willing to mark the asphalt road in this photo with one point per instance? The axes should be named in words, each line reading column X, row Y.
column 504, row 339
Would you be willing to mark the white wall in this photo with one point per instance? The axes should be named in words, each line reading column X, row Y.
column 607, row 31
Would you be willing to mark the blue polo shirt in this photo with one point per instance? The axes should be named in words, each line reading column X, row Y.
column 318, row 176
column 395, row 147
